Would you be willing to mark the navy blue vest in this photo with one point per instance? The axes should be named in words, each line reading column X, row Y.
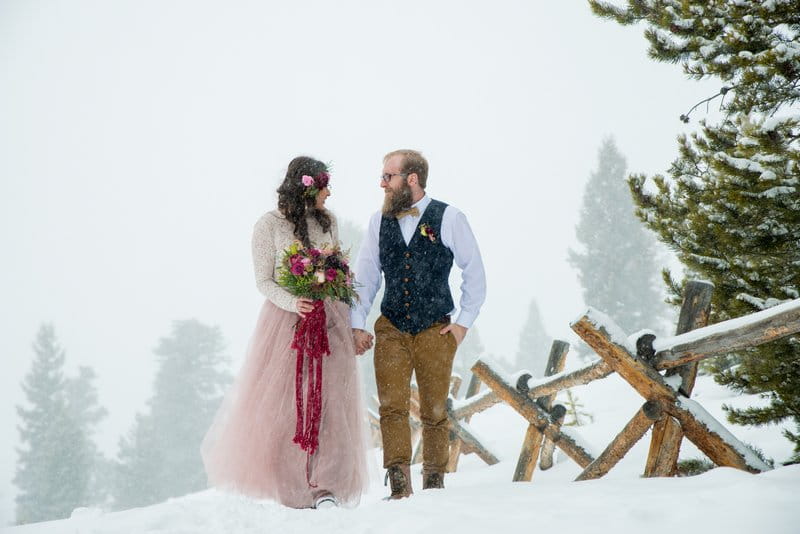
column 417, row 289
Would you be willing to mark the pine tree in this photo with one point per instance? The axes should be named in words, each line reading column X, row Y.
column 534, row 344
column 55, row 470
column 160, row 457
column 730, row 208
column 616, row 266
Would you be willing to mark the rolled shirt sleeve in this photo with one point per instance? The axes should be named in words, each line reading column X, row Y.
column 458, row 237
column 368, row 273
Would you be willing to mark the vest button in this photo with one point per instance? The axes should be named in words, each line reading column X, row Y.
column 405, row 292
column 408, row 304
column 408, row 317
column 405, row 279
column 408, row 266
column 408, row 254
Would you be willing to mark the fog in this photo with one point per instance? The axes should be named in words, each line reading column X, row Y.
column 140, row 141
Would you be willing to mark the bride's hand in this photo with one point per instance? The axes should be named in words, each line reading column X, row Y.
column 362, row 340
column 304, row 306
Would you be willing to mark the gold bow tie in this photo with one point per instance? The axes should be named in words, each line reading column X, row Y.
column 412, row 211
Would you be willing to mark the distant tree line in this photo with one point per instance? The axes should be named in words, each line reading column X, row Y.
column 59, row 466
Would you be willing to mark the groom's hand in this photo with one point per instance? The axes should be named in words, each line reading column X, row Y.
column 458, row 332
column 362, row 340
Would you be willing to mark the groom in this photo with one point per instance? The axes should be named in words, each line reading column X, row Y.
column 414, row 241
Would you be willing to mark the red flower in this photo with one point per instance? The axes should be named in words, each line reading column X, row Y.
column 330, row 275
column 321, row 180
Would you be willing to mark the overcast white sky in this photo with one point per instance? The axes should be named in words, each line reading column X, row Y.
column 140, row 141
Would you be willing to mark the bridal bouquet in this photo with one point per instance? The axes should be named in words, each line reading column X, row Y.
column 317, row 273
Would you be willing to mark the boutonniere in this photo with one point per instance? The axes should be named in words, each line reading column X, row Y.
column 427, row 231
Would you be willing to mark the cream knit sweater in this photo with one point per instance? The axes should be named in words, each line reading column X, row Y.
column 272, row 234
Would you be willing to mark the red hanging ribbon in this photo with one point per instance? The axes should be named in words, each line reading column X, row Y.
column 311, row 343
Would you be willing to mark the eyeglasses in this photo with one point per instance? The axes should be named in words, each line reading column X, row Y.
column 386, row 177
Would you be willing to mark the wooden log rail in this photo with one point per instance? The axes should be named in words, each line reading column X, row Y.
column 728, row 336
column 650, row 412
column 466, row 437
column 537, row 387
column 665, row 441
column 534, row 414
column 556, row 361
column 462, row 438
column 457, row 445
column 609, row 342
column 535, row 445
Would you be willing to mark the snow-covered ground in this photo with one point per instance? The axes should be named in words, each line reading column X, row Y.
column 483, row 499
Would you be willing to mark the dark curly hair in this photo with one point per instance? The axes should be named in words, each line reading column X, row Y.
column 294, row 204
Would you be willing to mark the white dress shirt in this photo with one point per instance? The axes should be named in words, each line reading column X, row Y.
column 456, row 235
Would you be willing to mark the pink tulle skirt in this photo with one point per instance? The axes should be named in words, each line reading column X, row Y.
column 249, row 446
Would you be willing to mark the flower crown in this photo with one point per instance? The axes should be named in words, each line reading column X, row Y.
column 314, row 184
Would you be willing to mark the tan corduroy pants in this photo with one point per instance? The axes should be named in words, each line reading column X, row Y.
column 429, row 355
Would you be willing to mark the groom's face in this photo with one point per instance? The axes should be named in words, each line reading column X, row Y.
column 396, row 190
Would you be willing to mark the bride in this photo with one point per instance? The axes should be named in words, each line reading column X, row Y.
column 249, row 447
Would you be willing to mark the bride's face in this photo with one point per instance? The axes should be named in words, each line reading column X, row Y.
column 322, row 196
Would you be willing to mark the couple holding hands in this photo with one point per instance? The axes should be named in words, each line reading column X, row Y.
column 411, row 245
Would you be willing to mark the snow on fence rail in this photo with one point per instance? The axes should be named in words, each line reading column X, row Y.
column 638, row 360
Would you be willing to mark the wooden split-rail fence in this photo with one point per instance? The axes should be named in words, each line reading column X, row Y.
column 662, row 371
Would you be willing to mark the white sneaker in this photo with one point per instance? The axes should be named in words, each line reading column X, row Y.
column 326, row 501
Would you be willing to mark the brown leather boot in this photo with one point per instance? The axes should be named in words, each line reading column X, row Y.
column 433, row 481
column 399, row 477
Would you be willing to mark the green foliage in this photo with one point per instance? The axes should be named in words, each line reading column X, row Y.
column 317, row 273
column 575, row 412
column 751, row 45
column 160, row 456
column 56, row 465
column 694, row 466
column 730, row 207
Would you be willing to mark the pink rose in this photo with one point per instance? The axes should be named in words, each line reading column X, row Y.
column 298, row 268
column 307, row 180
column 330, row 275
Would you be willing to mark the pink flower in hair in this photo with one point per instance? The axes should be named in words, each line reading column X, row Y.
column 307, row 180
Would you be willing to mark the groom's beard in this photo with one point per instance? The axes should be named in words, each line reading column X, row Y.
column 397, row 200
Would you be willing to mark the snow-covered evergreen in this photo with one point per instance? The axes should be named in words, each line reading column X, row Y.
column 617, row 260
column 730, row 207
column 160, row 457
column 55, row 468
column 534, row 343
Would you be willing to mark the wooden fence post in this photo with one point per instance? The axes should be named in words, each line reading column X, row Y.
column 534, row 440
column 665, row 442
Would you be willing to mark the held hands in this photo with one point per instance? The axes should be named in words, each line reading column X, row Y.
column 304, row 306
column 362, row 340
column 458, row 332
